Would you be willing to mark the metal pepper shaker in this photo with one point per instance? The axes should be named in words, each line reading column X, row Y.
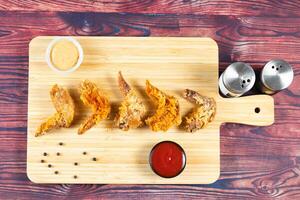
column 237, row 79
column 275, row 76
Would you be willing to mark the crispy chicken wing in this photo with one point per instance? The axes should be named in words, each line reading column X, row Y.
column 202, row 114
column 167, row 112
column 93, row 97
column 65, row 111
column 132, row 109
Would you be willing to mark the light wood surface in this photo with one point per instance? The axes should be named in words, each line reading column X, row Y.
column 171, row 64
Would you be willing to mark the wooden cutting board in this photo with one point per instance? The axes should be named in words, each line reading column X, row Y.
column 172, row 64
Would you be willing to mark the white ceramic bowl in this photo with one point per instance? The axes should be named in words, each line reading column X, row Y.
column 49, row 49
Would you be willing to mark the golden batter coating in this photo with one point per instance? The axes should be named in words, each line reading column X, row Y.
column 93, row 97
column 65, row 111
column 202, row 114
column 167, row 113
column 132, row 109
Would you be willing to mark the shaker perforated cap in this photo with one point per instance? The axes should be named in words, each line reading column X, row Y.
column 239, row 77
column 277, row 75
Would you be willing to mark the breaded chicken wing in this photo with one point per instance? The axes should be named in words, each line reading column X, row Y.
column 131, row 110
column 65, row 111
column 200, row 115
column 167, row 113
column 93, row 97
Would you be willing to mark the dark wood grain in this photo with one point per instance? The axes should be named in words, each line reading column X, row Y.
column 256, row 162
column 251, row 39
column 203, row 7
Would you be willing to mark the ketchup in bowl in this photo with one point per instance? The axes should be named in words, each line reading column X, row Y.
column 167, row 159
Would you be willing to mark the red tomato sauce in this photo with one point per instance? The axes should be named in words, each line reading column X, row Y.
column 167, row 159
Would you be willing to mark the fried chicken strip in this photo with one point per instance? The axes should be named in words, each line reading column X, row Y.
column 167, row 113
column 200, row 115
column 93, row 97
column 65, row 111
column 131, row 110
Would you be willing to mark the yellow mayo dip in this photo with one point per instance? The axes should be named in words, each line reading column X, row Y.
column 64, row 55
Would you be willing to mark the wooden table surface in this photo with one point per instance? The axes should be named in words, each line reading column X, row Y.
column 256, row 162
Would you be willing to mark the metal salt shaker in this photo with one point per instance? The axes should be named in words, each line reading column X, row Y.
column 275, row 76
column 237, row 79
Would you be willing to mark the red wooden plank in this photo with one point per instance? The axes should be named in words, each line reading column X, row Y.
column 212, row 7
column 248, row 39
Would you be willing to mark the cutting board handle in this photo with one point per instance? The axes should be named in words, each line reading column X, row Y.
column 255, row 110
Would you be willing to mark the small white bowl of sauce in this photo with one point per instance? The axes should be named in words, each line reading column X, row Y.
column 64, row 55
